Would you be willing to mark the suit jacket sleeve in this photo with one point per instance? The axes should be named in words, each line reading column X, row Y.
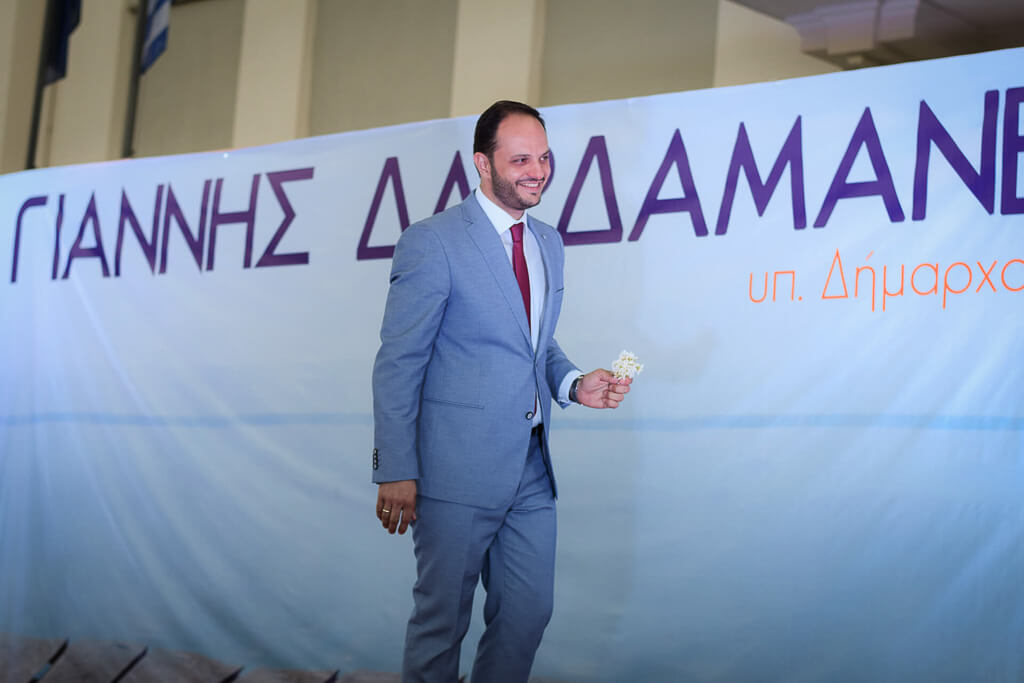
column 420, row 285
column 558, row 366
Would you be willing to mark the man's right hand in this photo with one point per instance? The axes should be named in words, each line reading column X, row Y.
column 396, row 505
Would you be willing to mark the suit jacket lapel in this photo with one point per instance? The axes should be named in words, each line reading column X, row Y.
column 549, row 278
column 493, row 251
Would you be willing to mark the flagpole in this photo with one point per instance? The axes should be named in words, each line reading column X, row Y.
column 37, row 104
column 127, row 142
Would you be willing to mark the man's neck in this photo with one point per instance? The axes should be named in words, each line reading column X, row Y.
column 493, row 200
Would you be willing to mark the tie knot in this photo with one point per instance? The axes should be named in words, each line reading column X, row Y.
column 517, row 232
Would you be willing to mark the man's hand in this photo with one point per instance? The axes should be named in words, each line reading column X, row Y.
column 601, row 389
column 396, row 505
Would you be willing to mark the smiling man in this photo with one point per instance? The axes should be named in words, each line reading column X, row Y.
column 462, row 389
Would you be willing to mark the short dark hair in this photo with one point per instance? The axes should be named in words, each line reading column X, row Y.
column 485, row 139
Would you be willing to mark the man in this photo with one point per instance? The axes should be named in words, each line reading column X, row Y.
column 462, row 389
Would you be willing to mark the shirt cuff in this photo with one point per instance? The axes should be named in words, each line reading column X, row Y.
column 563, row 389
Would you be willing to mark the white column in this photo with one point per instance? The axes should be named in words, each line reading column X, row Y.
column 498, row 52
column 275, row 72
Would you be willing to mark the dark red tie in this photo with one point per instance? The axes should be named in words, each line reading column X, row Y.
column 519, row 266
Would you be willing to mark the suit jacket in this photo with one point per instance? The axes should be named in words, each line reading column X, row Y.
column 456, row 374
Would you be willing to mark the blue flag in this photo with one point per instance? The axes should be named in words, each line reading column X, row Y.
column 68, row 13
column 158, row 18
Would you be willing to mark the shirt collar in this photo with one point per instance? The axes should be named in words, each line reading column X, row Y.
column 499, row 217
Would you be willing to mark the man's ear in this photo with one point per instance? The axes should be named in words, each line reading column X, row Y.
column 483, row 164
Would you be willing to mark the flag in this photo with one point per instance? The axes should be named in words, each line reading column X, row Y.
column 158, row 19
column 65, row 19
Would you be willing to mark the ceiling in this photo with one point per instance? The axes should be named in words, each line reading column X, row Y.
column 856, row 33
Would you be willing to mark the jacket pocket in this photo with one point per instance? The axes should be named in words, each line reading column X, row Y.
column 448, row 402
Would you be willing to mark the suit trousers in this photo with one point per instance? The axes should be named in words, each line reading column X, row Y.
column 512, row 550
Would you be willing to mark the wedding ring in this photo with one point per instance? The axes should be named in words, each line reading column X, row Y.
column 387, row 511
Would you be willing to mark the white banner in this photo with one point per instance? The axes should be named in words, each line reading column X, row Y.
column 824, row 278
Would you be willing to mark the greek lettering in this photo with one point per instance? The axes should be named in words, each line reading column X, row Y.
column 946, row 289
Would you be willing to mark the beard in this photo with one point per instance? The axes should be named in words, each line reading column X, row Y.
column 506, row 193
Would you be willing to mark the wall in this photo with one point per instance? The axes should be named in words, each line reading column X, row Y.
column 187, row 97
column 20, row 22
column 753, row 48
column 246, row 72
column 380, row 63
column 605, row 49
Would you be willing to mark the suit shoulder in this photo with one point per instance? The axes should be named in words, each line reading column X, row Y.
column 440, row 221
column 429, row 233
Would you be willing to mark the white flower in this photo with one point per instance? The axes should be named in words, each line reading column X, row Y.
column 625, row 366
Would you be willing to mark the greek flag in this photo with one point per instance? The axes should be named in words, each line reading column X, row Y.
column 158, row 18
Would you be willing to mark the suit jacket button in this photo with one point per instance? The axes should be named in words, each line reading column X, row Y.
column 529, row 415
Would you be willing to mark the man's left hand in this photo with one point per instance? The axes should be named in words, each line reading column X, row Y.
column 602, row 389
